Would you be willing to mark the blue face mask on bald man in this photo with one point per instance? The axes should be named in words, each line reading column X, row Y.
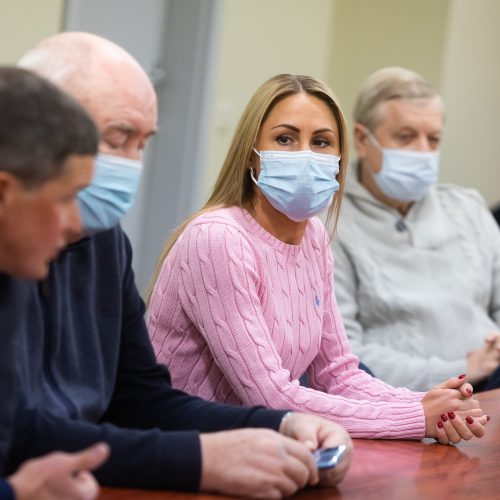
column 111, row 193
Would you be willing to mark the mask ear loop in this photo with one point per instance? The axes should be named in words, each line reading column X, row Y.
column 252, row 176
column 372, row 138
column 251, row 168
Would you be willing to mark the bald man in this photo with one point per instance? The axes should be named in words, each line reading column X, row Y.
column 86, row 365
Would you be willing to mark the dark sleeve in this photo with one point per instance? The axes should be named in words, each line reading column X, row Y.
column 143, row 397
column 13, row 296
column 6, row 491
column 148, row 459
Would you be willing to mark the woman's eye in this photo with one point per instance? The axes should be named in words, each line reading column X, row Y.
column 283, row 140
column 321, row 143
column 434, row 141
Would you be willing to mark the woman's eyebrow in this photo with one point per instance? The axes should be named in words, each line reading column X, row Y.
column 286, row 125
column 295, row 129
column 321, row 130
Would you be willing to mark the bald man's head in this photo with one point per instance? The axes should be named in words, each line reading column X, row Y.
column 107, row 81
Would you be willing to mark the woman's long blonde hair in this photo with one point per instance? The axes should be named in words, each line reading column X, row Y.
column 234, row 186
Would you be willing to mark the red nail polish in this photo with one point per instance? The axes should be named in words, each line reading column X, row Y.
column 469, row 420
column 440, row 424
column 444, row 417
column 451, row 414
column 468, row 391
column 461, row 376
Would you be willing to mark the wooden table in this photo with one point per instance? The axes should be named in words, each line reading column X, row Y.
column 400, row 469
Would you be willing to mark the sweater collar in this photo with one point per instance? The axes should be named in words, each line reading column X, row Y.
column 427, row 220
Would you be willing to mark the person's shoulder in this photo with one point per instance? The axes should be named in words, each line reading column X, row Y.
column 226, row 223
column 468, row 197
column 316, row 229
column 317, row 234
column 231, row 216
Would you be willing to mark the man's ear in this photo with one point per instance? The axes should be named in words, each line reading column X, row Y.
column 361, row 140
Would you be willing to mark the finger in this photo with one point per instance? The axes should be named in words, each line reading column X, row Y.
column 466, row 390
column 86, row 485
column 298, row 451
column 460, row 426
column 297, row 471
column 453, row 383
column 285, row 484
column 484, row 419
column 453, row 435
column 305, row 433
column 465, row 404
column 441, row 436
column 88, row 459
column 60, row 463
column 330, row 477
column 271, row 493
column 475, row 412
column 475, row 426
column 490, row 339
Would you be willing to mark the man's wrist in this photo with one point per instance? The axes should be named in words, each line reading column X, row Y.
column 284, row 421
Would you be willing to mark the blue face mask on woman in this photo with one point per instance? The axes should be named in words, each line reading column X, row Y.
column 406, row 175
column 300, row 184
column 111, row 193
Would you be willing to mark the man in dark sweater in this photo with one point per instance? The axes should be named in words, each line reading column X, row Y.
column 47, row 148
column 86, row 365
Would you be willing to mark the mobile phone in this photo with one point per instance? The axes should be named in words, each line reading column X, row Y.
column 326, row 458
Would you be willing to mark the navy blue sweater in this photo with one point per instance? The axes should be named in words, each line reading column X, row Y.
column 13, row 295
column 12, row 302
column 88, row 372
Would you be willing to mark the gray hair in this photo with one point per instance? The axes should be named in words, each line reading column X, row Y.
column 384, row 85
column 40, row 127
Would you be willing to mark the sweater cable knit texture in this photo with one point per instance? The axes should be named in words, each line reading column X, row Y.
column 238, row 315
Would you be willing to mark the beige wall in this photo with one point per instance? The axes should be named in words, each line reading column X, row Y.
column 368, row 35
column 259, row 39
column 24, row 22
column 471, row 91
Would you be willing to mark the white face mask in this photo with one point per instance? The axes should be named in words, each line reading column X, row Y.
column 406, row 175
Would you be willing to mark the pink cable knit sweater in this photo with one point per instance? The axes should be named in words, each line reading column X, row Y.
column 237, row 316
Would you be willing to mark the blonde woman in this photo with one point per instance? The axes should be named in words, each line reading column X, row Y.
column 243, row 301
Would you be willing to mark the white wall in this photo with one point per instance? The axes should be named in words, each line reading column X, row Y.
column 471, row 92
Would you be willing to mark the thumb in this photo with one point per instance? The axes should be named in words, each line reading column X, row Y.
column 308, row 436
column 490, row 338
column 88, row 459
column 303, row 428
column 453, row 383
